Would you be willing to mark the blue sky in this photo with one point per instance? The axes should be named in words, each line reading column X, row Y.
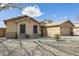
column 54, row 11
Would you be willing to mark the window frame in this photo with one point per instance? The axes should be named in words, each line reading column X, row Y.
column 35, row 29
column 22, row 29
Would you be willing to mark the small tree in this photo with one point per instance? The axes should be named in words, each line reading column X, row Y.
column 4, row 6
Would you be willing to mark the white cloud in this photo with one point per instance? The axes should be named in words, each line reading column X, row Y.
column 32, row 11
column 54, row 15
column 2, row 24
column 65, row 17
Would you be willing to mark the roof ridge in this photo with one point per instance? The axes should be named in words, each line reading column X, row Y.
column 19, row 17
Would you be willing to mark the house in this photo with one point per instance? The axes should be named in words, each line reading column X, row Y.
column 2, row 32
column 25, row 26
column 76, row 29
column 22, row 26
column 64, row 28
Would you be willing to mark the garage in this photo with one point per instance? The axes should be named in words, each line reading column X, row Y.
column 64, row 28
column 65, row 31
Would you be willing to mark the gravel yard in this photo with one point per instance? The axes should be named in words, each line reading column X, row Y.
column 67, row 46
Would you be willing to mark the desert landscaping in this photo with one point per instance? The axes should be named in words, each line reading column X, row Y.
column 39, row 29
column 66, row 46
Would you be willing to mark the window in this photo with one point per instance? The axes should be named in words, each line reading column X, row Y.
column 22, row 28
column 35, row 29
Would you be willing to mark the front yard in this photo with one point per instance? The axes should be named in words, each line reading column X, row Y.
column 67, row 46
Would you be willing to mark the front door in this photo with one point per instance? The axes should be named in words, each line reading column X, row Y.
column 42, row 31
column 22, row 28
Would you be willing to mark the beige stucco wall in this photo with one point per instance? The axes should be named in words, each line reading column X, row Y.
column 10, row 29
column 76, row 29
column 29, row 26
column 51, row 31
column 11, row 26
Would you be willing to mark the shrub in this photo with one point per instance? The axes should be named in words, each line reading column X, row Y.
column 27, row 36
column 57, row 37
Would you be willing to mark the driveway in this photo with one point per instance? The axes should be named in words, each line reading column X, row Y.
column 67, row 46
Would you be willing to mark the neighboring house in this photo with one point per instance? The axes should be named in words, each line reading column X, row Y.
column 76, row 29
column 24, row 26
column 2, row 32
column 64, row 28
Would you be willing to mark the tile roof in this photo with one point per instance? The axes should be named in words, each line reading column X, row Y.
column 19, row 17
column 57, row 23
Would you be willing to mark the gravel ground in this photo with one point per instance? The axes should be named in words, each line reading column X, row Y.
column 67, row 46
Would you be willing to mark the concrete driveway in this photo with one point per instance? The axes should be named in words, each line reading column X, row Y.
column 68, row 46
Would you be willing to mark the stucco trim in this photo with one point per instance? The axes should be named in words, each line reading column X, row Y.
column 52, row 26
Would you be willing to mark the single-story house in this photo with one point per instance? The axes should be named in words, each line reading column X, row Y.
column 25, row 26
column 76, row 29
column 64, row 28
column 21, row 26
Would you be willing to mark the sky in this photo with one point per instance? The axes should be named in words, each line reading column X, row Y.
column 55, row 11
